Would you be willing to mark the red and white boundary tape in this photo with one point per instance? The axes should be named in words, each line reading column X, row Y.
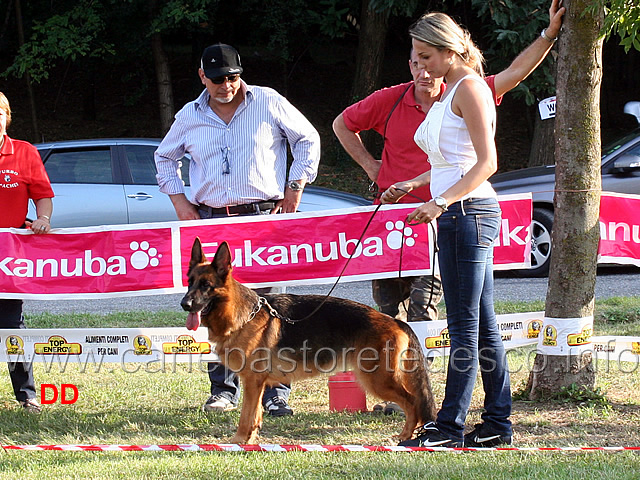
column 229, row 447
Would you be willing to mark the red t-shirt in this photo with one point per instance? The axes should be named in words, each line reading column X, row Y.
column 22, row 177
column 402, row 159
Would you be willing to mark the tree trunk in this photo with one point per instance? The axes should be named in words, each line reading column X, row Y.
column 575, row 236
column 369, row 59
column 163, row 76
column 370, row 55
column 32, row 99
column 542, row 144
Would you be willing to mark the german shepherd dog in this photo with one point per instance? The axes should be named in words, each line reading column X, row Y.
column 282, row 338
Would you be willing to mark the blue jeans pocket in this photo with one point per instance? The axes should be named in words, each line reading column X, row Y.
column 488, row 227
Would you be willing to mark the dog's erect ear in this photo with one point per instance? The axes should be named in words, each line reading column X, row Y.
column 222, row 260
column 197, row 255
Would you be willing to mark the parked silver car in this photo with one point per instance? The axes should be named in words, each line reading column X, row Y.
column 113, row 181
column 620, row 173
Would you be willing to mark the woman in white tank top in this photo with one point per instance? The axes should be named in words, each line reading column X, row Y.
column 458, row 136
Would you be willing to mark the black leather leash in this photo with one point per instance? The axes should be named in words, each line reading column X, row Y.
column 435, row 251
column 262, row 302
column 273, row 312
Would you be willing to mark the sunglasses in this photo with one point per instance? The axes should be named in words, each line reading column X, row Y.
column 225, row 78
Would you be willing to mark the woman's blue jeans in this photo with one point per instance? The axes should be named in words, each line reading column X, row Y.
column 466, row 235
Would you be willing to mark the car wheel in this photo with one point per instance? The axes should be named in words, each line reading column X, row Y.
column 540, row 244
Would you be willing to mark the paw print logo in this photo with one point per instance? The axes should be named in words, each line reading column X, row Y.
column 398, row 232
column 143, row 255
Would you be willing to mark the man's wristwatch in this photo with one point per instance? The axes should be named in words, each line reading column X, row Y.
column 441, row 202
column 544, row 35
column 295, row 186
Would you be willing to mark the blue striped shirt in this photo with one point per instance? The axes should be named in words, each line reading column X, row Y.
column 251, row 150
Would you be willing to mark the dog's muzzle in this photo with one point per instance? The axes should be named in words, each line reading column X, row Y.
column 193, row 318
column 186, row 303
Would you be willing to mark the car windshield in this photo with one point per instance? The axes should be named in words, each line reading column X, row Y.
column 620, row 142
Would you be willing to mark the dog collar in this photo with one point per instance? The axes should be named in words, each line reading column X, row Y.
column 262, row 302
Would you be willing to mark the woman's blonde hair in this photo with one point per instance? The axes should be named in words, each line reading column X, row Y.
column 442, row 32
column 4, row 105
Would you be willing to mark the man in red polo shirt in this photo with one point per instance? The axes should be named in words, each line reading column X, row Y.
column 22, row 177
column 395, row 113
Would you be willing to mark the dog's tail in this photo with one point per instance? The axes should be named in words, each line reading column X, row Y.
column 418, row 382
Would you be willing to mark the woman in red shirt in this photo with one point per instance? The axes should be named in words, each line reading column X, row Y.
column 22, row 177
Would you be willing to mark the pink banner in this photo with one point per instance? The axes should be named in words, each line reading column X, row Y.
column 291, row 249
column 619, row 229
column 317, row 247
column 68, row 262
column 513, row 247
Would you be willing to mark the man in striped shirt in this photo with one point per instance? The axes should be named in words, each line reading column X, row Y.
column 237, row 136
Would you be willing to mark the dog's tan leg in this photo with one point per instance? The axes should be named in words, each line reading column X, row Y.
column 411, row 420
column 251, row 413
column 386, row 386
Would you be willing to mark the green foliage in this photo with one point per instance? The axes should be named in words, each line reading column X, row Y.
column 577, row 394
column 573, row 394
column 521, row 391
column 395, row 7
column 509, row 27
column 512, row 306
column 333, row 17
column 284, row 28
column 618, row 316
column 67, row 36
column 112, row 320
column 177, row 14
column 338, row 17
column 105, row 29
column 621, row 18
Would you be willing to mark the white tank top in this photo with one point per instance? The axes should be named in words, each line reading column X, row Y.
column 444, row 136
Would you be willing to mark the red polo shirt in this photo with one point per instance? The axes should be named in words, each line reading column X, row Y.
column 402, row 159
column 22, row 177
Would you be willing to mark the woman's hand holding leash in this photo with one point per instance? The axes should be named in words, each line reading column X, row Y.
column 399, row 189
column 425, row 213
column 395, row 192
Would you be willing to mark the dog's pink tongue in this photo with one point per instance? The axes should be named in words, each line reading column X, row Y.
column 193, row 321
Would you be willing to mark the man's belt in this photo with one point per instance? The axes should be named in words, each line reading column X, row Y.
column 245, row 209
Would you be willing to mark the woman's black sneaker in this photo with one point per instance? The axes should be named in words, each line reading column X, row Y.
column 429, row 435
column 483, row 437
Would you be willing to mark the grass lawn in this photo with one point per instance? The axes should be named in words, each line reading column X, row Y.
column 118, row 405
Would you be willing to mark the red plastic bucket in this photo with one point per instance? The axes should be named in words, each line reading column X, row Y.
column 345, row 393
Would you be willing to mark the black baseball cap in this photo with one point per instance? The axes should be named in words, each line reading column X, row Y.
column 219, row 60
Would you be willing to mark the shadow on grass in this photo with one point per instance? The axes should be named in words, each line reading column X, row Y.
column 173, row 426
column 546, row 424
column 569, row 424
column 109, row 425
